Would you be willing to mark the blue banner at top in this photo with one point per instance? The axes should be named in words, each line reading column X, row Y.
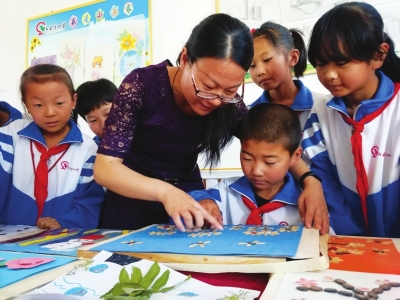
column 80, row 17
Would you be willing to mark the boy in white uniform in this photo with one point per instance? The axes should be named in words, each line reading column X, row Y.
column 267, row 194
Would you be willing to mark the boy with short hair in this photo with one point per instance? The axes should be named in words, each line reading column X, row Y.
column 267, row 193
column 94, row 103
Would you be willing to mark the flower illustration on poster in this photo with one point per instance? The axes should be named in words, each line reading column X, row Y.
column 70, row 57
column 131, row 47
column 34, row 43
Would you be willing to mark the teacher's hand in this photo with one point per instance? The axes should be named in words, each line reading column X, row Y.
column 180, row 206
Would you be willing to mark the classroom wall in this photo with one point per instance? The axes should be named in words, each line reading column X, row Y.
column 172, row 22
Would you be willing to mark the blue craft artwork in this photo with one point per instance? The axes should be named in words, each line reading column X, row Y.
column 9, row 276
column 263, row 240
column 59, row 241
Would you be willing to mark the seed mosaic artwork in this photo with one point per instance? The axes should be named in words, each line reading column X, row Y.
column 333, row 285
column 273, row 241
column 373, row 255
column 348, row 290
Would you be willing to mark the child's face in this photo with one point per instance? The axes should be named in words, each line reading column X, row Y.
column 266, row 165
column 355, row 80
column 50, row 105
column 269, row 68
column 97, row 117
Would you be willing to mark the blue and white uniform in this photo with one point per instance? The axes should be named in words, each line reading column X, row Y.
column 74, row 198
column 328, row 150
column 15, row 114
column 302, row 103
column 97, row 139
column 228, row 196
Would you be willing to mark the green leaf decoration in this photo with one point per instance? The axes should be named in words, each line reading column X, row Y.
column 124, row 276
column 160, row 282
column 136, row 275
column 116, row 290
column 164, row 290
column 150, row 276
column 132, row 287
column 136, row 287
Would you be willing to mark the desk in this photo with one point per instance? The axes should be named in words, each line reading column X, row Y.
column 254, row 281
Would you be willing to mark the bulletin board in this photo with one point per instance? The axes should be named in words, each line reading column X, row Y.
column 100, row 39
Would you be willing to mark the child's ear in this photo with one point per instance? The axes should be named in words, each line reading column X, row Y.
column 294, row 56
column 296, row 156
column 381, row 55
column 74, row 97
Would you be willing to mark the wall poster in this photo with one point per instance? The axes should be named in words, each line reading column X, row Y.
column 103, row 38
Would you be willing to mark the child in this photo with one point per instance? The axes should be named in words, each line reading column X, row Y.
column 278, row 51
column 267, row 193
column 94, row 103
column 352, row 140
column 8, row 114
column 46, row 166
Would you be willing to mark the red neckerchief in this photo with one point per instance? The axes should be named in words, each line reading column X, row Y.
column 42, row 172
column 356, row 145
column 255, row 212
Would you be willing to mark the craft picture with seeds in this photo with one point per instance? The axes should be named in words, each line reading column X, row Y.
column 58, row 241
column 333, row 284
column 373, row 255
column 8, row 232
column 262, row 240
column 114, row 276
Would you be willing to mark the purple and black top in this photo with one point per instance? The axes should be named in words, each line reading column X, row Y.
column 154, row 137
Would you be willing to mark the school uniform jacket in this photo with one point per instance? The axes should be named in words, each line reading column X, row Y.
column 15, row 114
column 74, row 198
column 228, row 196
column 302, row 103
column 328, row 150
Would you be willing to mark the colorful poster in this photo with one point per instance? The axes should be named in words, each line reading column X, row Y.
column 68, row 34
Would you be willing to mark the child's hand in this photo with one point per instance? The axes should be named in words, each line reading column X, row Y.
column 212, row 208
column 48, row 223
column 312, row 206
